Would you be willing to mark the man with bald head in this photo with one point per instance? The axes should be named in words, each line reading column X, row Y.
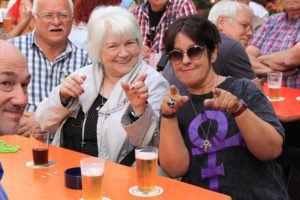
column 14, row 79
column 51, row 56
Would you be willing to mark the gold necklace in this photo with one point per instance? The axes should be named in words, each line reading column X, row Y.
column 206, row 143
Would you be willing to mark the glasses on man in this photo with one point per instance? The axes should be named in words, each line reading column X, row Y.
column 245, row 26
column 194, row 53
column 47, row 17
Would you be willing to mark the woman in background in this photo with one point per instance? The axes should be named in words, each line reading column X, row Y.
column 82, row 12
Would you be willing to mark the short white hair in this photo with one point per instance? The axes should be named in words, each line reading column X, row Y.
column 121, row 22
column 36, row 4
column 227, row 9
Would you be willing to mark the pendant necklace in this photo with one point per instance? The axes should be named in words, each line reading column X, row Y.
column 206, row 143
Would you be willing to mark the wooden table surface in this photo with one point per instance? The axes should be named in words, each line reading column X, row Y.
column 21, row 182
column 289, row 109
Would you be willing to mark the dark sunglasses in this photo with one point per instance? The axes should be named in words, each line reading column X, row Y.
column 194, row 53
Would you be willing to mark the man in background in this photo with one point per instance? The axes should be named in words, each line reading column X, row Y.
column 155, row 16
column 275, row 46
column 51, row 56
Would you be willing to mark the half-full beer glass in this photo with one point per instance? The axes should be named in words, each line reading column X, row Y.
column 92, row 171
column 274, row 85
column 146, row 166
column 40, row 147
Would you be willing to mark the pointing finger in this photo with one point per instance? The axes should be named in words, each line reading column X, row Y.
column 125, row 87
column 142, row 77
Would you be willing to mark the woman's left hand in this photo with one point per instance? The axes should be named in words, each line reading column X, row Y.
column 137, row 94
column 223, row 100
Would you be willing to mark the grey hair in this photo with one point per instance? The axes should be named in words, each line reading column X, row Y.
column 122, row 23
column 36, row 3
column 227, row 9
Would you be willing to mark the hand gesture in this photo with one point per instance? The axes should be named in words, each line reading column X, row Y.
column 223, row 100
column 137, row 93
column 173, row 101
column 71, row 87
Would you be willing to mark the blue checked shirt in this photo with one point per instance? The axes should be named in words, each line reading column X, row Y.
column 46, row 75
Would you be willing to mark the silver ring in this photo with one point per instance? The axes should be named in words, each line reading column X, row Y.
column 171, row 103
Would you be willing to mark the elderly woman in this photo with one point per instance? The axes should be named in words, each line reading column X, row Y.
column 222, row 134
column 107, row 108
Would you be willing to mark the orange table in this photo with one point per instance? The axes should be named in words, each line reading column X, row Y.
column 21, row 182
column 289, row 109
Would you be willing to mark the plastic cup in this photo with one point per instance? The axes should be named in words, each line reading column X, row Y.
column 146, row 167
column 274, row 85
column 92, row 172
column 40, row 147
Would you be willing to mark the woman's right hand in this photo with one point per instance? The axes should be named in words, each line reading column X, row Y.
column 71, row 87
column 173, row 95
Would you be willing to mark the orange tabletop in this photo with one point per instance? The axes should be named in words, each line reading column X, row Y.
column 21, row 182
column 289, row 109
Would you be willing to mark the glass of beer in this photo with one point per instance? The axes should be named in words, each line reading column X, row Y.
column 40, row 146
column 92, row 171
column 146, row 167
column 274, row 85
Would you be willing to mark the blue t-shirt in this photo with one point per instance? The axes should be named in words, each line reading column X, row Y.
column 3, row 195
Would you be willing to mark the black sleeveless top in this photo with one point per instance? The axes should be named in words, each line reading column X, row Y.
column 72, row 130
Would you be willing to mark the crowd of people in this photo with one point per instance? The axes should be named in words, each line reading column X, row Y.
column 77, row 68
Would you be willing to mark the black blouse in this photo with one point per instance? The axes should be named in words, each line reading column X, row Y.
column 72, row 130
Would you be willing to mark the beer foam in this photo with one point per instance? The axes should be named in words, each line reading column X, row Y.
column 91, row 171
column 274, row 86
column 146, row 155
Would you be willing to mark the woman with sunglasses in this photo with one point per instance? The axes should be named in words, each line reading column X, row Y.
column 222, row 133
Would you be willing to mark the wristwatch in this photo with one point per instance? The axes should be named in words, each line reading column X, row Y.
column 241, row 110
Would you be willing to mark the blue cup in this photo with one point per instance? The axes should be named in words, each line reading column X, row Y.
column 73, row 178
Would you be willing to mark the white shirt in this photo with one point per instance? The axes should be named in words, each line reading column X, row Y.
column 78, row 35
column 260, row 14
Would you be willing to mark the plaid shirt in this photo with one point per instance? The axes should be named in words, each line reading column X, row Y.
column 45, row 75
column 278, row 34
column 174, row 9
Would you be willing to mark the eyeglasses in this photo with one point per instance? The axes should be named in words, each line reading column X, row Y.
column 47, row 17
column 245, row 26
column 194, row 53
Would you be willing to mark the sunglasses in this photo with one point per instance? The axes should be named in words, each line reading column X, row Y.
column 194, row 53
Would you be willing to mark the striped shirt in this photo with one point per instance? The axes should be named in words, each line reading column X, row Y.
column 174, row 9
column 45, row 74
column 278, row 34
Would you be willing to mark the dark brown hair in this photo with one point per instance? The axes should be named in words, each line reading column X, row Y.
column 199, row 29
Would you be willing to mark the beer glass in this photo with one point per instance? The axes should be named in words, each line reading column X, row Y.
column 274, row 85
column 92, row 171
column 40, row 146
column 146, row 168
